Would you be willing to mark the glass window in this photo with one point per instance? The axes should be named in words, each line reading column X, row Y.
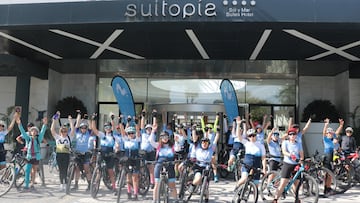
column 270, row 91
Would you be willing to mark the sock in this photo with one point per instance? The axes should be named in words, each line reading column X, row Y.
column 128, row 188
column 113, row 186
column 136, row 190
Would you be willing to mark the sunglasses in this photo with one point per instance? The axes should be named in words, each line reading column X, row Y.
column 132, row 133
column 2, row 126
column 252, row 135
column 107, row 127
column 348, row 131
column 84, row 128
column 63, row 131
column 164, row 137
column 292, row 134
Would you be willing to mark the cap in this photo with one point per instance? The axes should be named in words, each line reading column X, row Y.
column 295, row 126
column 209, row 126
column 29, row 125
column 349, row 129
column 258, row 126
column 329, row 130
column 148, row 126
column 34, row 128
column 292, row 130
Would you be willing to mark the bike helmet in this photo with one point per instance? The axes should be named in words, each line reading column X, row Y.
column 107, row 124
column 130, row 129
column 250, row 132
column 83, row 124
column 205, row 139
column 148, row 126
column 164, row 134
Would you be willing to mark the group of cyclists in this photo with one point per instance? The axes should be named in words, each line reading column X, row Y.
column 127, row 138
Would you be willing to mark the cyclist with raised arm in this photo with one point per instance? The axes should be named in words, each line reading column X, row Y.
column 211, row 132
column 164, row 152
column 81, row 138
column 237, row 146
column 33, row 139
column 107, row 143
column 63, row 145
column 293, row 152
column 3, row 132
column 202, row 157
column 255, row 154
column 145, row 146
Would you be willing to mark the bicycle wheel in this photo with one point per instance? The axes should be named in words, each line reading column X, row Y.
column 52, row 164
column 144, row 180
column 95, row 181
column 20, row 176
column 162, row 192
column 204, row 189
column 343, row 178
column 320, row 175
column 268, row 187
column 183, row 184
column 308, row 190
column 70, row 178
column 7, row 179
column 237, row 171
column 248, row 192
column 121, row 188
column 106, row 179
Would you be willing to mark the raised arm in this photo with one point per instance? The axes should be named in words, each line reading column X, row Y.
column 52, row 127
column 268, row 139
column 142, row 120
column 340, row 128
column 72, row 127
column 216, row 123
column 238, row 128
column 202, row 121
column 326, row 125
column 78, row 120
column 93, row 127
column 43, row 129
column 306, row 127
column 11, row 126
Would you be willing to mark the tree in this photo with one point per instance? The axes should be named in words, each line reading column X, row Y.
column 318, row 110
column 69, row 106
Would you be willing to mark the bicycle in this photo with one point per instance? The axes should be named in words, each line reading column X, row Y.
column 75, row 163
column 100, row 172
column 186, row 178
column 319, row 172
column 52, row 163
column 127, row 168
column 12, row 174
column 204, row 188
column 248, row 191
column 344, row 170
column 307, row 190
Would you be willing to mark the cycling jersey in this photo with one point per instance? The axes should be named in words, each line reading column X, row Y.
column 145, row 143
column 107, row 141
column 179, row 142
column 260, row 137
column 203, row 156
column 3, row 135
column 253, row 153
column 274, row 150
column 82, row 140
column 292, row 148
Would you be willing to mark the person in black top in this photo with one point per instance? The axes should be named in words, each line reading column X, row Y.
column 348, row 142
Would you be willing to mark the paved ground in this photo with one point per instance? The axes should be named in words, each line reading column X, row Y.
column 221, row 192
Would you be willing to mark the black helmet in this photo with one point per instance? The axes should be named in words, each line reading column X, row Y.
column 29, row 125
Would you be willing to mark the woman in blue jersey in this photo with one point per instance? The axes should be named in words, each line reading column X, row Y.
column 81, row 148
column 131, row 145
column 293, row 152
column 273, row 141
column 329, row 148
column 255, row 153
column 237, row 146
column 107, row 143
column 202, row 157
column 3, row 132
column 145, row 146
column 164, row 152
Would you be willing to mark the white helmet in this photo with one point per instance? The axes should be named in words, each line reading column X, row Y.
column 250, row 132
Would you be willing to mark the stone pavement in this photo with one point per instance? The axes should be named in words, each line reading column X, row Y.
column 221, row 192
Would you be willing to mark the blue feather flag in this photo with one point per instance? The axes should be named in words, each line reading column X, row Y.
column 124, row 97
column 230, row 100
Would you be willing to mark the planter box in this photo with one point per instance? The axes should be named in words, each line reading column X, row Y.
column 313, row 139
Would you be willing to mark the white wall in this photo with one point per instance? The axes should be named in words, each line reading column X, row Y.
column 315, row 87
column 7, row 93
column 38, row 98
column 81, row 86
column 354, row 99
